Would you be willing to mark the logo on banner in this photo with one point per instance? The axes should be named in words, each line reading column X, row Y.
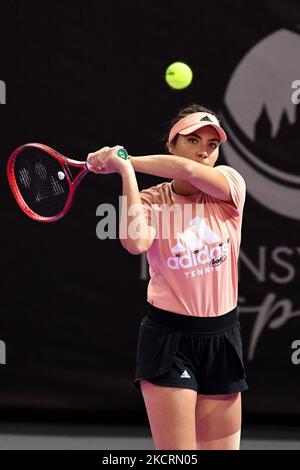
column 263, row 122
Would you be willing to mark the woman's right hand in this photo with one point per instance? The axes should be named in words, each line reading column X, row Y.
column 106, row 160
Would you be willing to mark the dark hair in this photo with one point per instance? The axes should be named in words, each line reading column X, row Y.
column 193, row 108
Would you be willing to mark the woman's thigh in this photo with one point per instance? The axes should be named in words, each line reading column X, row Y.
column 171, row 414
column 218, row 421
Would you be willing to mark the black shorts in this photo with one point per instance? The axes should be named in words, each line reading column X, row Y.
column 200, row 353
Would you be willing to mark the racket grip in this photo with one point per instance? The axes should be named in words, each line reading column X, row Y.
column 88, row 166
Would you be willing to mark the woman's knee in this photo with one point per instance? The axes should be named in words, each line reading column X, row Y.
column 230, row 442
column 218, row 420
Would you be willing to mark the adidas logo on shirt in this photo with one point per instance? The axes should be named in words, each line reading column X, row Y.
column 192, row 247
column 185, row 375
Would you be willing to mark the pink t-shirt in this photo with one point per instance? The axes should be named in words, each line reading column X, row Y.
column 193, row 258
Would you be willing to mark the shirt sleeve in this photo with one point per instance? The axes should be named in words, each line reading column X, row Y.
column 237, row 187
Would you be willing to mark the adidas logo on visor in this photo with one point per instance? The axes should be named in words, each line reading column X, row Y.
column 205, row 118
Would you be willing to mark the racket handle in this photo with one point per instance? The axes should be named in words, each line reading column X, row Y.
column 122, row 153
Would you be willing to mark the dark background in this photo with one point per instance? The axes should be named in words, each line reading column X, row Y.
column 80, row 76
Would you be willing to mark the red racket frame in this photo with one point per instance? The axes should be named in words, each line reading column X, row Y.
column 73, row 183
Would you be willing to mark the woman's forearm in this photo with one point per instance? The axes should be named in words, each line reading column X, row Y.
column 135, row 234
column 165, row 166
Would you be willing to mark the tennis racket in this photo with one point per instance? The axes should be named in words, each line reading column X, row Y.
column 44, row 182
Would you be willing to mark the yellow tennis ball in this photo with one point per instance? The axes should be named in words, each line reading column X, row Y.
column 179, row 75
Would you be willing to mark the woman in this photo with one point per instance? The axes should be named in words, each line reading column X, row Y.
column 189, row 357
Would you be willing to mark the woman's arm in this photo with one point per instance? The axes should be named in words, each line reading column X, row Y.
column 207, row 179
column 135, row 234
column 166, row 166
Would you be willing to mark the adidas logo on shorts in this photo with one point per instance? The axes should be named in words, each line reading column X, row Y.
column 185, row 375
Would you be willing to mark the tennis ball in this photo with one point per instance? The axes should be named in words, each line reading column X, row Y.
column 179, row 75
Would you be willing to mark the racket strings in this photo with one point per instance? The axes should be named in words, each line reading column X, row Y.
column 41, row 181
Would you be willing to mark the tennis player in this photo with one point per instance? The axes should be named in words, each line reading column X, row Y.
column 190, row 365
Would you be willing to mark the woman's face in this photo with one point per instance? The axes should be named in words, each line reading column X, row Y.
column 202, row 146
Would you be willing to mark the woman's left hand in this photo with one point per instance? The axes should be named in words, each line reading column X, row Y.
column 106, row 161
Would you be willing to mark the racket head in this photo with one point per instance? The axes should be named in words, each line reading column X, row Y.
column 41, row 181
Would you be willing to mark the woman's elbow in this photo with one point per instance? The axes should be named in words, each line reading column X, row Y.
column 136, row 251
column 137, row 248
